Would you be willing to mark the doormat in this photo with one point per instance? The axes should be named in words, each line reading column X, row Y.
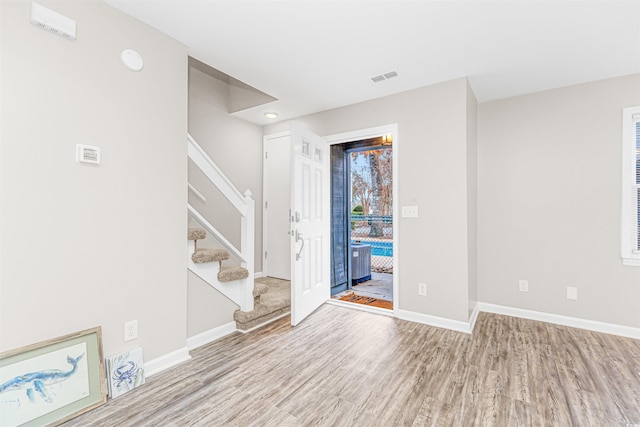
column 372, row 302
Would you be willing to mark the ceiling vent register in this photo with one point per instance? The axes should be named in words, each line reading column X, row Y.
column 53, row 22
column 385, row 76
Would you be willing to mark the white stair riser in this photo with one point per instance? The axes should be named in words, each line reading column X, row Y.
column 238, row 291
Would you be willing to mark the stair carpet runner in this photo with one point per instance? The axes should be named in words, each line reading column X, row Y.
column 226, row 274
column 245, row 320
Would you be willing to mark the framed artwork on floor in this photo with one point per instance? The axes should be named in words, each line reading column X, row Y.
column 52, row 381
column 125, row 371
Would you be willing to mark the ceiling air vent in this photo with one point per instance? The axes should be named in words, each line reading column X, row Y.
column 385, row 76
column 53, row 22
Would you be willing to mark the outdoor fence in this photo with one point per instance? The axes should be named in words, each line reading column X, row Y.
column 377, row 231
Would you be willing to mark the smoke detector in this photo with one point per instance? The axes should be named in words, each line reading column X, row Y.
column 132, row 59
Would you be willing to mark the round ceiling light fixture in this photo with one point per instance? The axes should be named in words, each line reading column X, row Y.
column 271, row 115
column 132, row 59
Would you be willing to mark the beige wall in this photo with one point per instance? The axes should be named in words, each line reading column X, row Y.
column 84, row 246
column 432, row 163
column 208, row 308
column 549, row 202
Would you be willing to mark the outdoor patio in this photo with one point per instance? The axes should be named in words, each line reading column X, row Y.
column 380, row 286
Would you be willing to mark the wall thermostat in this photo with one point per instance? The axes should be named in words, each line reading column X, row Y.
column 87, row 155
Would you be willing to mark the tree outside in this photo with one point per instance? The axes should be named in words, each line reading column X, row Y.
column 372, row 184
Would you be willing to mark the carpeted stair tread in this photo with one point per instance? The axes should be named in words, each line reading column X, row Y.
column 209, row 255
column 259, row 289
column 273, row 304
column 228, row 274
column 196, row 234
column 260, row 315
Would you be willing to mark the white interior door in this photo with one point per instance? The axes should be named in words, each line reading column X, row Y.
column 277, row 196
column 310, row 223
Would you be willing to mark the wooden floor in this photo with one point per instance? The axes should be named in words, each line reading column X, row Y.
column 344, row 367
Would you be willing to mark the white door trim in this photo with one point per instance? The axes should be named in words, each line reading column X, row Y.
column 373, row 132
column 265, row 211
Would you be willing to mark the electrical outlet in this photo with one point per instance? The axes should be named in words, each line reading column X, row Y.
column 422, row 289
column 131, row 330
column 572, row 293
column 409, row 212
column 523, row 285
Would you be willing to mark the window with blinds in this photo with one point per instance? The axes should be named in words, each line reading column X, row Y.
column 630, row 225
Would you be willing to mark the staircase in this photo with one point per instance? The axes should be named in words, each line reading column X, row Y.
column 265, row 307
column 202, row 255
column 260, row 301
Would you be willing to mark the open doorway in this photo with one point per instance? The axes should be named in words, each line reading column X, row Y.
column 362, row 222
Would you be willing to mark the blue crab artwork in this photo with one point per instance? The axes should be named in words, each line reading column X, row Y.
column 126, row 373
column 38, row 381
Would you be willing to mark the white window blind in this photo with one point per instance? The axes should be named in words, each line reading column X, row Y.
column 630, row 225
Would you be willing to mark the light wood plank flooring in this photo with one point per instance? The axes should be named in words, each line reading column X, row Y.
column 344, row 367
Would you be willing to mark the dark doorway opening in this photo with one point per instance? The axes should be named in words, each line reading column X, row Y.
column 362, row 222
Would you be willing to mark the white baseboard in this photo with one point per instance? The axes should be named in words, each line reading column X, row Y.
column 474, row 317
column 574, row 322
column 258, row 275
column 211, row 335
column 439, row 322
column 467, row 327
column 167, row 361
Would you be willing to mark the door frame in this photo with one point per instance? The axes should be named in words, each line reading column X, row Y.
column 374, row 132
column 265, row 211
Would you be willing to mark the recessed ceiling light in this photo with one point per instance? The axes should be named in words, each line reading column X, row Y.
column 271, row 115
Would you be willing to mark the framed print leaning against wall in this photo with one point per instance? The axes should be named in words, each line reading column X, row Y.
column 52, row 381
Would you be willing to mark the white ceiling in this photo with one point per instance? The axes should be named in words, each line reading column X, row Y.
column 317, row 55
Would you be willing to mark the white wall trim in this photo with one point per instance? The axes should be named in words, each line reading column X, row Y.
column 361, row 307
column 373, row 132
column 159, row 364
column 360, row 134
column 211, row 335
column 474, row 317
column 258, row 275
column 629, row 206
column 574, row 322
column 197, row 193
column 438, row 322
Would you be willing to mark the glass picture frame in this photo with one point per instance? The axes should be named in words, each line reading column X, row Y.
column 52, row 381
